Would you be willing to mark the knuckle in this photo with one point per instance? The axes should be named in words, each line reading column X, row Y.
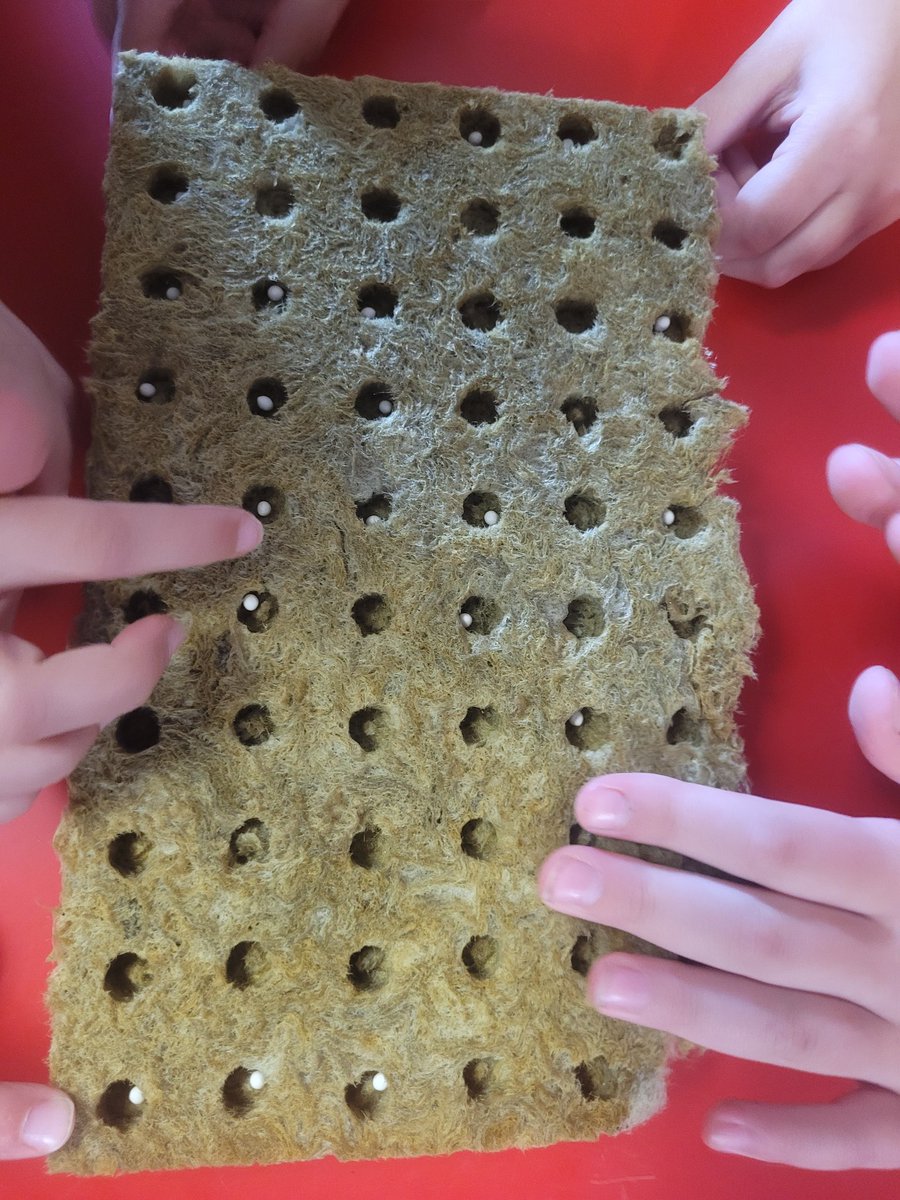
column 768, row 941
column 796, row 1038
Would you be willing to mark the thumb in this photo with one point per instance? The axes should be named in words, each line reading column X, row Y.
column 766, row 71
column 296, row 32
column 34, row 1120
column 875, row 716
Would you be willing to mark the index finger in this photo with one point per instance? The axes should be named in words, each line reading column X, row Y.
column 57, row 539
column 846, row 862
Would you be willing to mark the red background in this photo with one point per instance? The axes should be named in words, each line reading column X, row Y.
column 826, row 587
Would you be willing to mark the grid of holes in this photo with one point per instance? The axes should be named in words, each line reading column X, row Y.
column 128, row 973
column 368, row 970
column 480, row 129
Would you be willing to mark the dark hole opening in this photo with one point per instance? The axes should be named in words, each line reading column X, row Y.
column 581, row 411
column 253, row 725
column 248, row 842
column 477, row 1077
column 582, row 954
column 115, row 1107
column 156, row 386
column 265, row 502
column 276, row 200
column 577, row 222
column 677, row 420
column 375, row 401
column 670, row 140
column 576, row 316
column 479, row 957
column 269, row 293
column 684, row 728
column 481, row 311
column 167, row 184
column 585, row 511
column 381, row 111
column 479, row 726
column 143, row 604
column 381, row 204
column 366, row 970
column 378, row 298
column 278, row 104
column 126, row 975
column 151, row 489
column 172, row 88
column 258, row 619
column 482, row 123
column 367, row 727
column 362, row 1098
column 684, row 614
column 670, row 234
column 265, row 397
column 372, row 614
column 596, row 1079
column 128, row 853
column 675, row 327
column 485, row 614
column 479, row 407
column 137, row 730
column 237, row 1094
column 585, row 617
column 687, row 523
column 374, row 510
column 480, row 217
column 478, row 839
column 591, row 734
column 162, row 284
column 243, row 964
column 480, row 505
column 574, row 127
column 366, row 848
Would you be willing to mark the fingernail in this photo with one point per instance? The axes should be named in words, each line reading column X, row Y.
column 175, row 635
column 569, row 881
column 623, row 990
column 601, row 807
column 250, row 534
column 48, row 1124
column 731, row 1135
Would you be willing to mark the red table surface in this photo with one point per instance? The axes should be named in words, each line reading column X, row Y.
column 826, row 587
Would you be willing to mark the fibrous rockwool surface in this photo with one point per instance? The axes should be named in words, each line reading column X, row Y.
column 447, row 345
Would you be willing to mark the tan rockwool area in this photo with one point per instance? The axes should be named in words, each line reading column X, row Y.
column 417, row 329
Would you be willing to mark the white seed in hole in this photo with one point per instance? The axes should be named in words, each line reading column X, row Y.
column 668, row 517
column 577, row 719
column 490, row 517
column 256, row 1079
column 466, row 619
column 172, row 293
column 250, row 602
column 368, row 312
column 265, row 403
column 568, row 144
column 476, row 138
column 661, row 324
column 275, row 292
column 373, row 519
column 263, row 508
column 147, row 390
column 385, row 407
column 379, row 1081
column 135, row 1096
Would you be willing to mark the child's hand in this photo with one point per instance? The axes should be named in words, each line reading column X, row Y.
column 52, row 708
column 825, row 78
column 803, row 968
column 251, row 32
